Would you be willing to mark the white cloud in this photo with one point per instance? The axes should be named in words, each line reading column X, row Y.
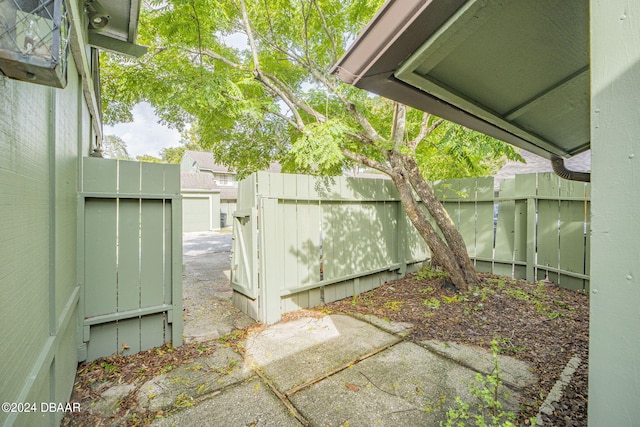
column 145, row 135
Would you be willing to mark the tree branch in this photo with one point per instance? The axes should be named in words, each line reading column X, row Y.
column 425, row 130
column 398, row 123
column 367, row 161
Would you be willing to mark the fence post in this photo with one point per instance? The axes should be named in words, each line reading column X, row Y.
column 270, row 279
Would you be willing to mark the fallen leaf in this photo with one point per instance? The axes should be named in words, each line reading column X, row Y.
column 352, row 387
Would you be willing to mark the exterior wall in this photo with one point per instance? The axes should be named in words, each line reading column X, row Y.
column 43, row 133
column 186, row 164
column 614, row 382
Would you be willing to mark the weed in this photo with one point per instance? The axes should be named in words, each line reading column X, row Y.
column 428, row 273
column 505, row 345
column 430, row 407
column 393, row 305
column 324, row 310
column 455, row 298
column 482, row 292
column 427, row 290
column 184, row 401
column 518, row 294
column 108, row 367
column 166, row 369
column 488, row 409
column 432, row 302
column 498, row 282
column 232, row 336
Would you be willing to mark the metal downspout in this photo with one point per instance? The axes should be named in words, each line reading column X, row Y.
column 557, row 163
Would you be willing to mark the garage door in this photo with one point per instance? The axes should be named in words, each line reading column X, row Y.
column 196, row 214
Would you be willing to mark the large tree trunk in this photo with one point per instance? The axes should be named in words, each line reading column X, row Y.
column 442, row 253
column 443, row 220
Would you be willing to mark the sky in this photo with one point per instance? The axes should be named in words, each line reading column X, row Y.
column 145, row 135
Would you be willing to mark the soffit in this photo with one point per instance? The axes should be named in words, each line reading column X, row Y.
column 515, row 70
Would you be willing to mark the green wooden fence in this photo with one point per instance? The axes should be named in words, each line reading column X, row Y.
column 132, row 246
column 541, row 229
column 300, row 241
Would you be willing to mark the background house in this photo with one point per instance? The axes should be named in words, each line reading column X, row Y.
column 203, row 179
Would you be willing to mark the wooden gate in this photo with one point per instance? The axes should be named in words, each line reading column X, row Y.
column 244, row 261
column 132, row 245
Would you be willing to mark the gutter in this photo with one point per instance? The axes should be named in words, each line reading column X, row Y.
column 557, row 163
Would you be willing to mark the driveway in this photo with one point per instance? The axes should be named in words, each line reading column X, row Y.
column 208, row 311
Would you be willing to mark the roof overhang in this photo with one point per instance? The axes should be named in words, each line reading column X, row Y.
column 119, row 34
column 515, row 70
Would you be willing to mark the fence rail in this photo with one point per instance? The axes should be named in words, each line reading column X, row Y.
column 301, row 241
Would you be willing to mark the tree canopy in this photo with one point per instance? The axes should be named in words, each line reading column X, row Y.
column 252, row 79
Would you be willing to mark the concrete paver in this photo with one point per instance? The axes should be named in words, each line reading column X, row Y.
column 299, row 351
column 246, row 404
column 404, row 385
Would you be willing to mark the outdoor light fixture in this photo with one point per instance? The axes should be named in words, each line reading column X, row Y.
column 98, row 17
column 34, row 41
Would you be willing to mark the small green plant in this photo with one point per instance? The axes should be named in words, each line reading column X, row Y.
column 432, row 302
column 165, row 369
column 482, row 292
column 455, row 298
column 427, row 290
column 506, row 345
column 428, row 273
column 108, row 367
column 518, row 294
column 488, row 410
column 499, row 282
column 232, row 336
column 184, row 400
column 393, row 305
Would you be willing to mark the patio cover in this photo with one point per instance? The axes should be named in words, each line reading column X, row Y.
column 515, row 70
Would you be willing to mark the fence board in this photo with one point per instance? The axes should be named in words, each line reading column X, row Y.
column 504, row 231
column 128, row 336
column 129, row 177
column 467, row 225
column 154, row 331
column 100, row 257
column 548, row 215
column 128, row 254
column 484, row 229
column 103, row 341
column 290, row 259
column 152, row 257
